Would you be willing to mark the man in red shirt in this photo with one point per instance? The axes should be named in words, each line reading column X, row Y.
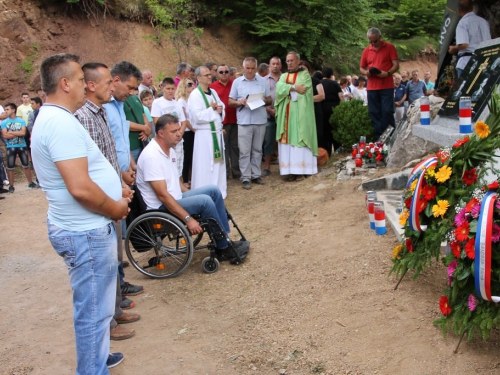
column 379, row 62
column 232, row 154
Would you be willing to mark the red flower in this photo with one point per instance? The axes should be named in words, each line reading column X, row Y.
column 470, row 177
column 379, row 157
column 460, row 142
column 494, row 185
column 444, row 305
column 408, row 203
column 470, row 248
column 471, row 204
column 362, row 152
column 421, row 205
column 370, row 155
column 462, row 232
column 456, row 249
column 442, row 157
column 409, row 245
column 429, row 192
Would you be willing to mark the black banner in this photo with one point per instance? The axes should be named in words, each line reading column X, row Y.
column 451, row 18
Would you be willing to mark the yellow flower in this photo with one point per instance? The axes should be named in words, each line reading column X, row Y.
column 413, row 185
column 396, row 251
column 403, row 217
column 431, row 172
column 440, row 208
column 482, row 129
column 443, row 174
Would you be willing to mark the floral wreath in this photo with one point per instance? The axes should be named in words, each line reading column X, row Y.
column 445, row 199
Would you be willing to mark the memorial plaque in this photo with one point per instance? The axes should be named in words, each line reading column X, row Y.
column 478, row 80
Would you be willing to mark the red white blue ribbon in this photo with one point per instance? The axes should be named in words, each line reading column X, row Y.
column 415, row 200
column 483, row 249
column 423, row 164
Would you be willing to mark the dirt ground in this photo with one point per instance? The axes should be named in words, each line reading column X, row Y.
column 313, row 297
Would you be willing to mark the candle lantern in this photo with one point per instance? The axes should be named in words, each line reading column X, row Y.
column 465, row 114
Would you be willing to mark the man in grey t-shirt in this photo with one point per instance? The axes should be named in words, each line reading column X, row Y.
column 415, row 88
column 251, row 122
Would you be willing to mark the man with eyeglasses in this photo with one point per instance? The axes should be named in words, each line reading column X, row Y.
column 206, row 113
column 379, row 61
column 251, row 122
column 223, row 87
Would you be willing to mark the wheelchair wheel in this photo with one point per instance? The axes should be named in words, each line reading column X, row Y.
column 210, row 265
column 158, row 245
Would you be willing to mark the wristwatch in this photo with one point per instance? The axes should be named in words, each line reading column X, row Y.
column 186, row 219
column 389, row 73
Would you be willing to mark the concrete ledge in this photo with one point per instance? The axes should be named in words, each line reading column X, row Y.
column 442, row 135
column 394, row 181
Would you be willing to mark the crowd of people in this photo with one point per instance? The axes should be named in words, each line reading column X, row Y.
column 100, row 135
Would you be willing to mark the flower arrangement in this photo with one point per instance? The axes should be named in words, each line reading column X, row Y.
column 443, row 201
column 371, row 152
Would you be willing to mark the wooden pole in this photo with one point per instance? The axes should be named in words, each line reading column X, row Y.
column 401, row 279
column 459, row 342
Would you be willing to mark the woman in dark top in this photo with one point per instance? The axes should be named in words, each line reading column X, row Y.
column 318, row 97
column 332, row 99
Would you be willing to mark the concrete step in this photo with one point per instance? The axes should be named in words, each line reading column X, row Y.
column 392, row 205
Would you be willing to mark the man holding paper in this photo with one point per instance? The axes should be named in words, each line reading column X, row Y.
column 295, row 121
column 250, row 94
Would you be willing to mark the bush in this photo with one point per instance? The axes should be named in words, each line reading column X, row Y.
column 349, row 121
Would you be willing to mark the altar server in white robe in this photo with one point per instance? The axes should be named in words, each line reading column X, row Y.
column 206, row 112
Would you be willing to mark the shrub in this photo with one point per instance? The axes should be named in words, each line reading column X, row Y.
column 349, row 121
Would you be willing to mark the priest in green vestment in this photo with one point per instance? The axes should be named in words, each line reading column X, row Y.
column 295, row 121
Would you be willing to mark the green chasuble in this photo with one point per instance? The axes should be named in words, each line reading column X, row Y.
column 295, row 121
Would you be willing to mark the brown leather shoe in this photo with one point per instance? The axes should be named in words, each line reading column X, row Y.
column 128, row 318
column 120, row 333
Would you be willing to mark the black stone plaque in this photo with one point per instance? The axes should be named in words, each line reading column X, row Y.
column 478, row 80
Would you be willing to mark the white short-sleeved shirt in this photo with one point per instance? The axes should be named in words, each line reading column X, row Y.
column 162, row 106
column 471, row 30
column 59, row 136
column 155, row 165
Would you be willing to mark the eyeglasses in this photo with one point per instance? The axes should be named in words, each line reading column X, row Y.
column 223, row 71
column 190, row 84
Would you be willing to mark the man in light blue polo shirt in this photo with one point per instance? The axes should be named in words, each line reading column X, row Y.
column 251, row 123
column 415, row 88
column 85, row 195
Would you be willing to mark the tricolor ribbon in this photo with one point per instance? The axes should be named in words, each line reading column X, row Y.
column 483, row 249
column 415, row 200
column 423, row 164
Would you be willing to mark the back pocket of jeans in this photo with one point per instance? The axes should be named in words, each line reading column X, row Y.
column 65, row 248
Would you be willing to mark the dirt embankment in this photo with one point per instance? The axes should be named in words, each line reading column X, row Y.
column 32, row 30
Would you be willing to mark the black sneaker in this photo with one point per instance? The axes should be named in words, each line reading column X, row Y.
column 258, row 181
column 32, row 185
column 246, row 185
column 126, row 304
column 12, row 189
column 131, row 290
column 114, row 359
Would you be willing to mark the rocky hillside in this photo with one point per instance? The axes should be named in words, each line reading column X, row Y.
column 31, row 31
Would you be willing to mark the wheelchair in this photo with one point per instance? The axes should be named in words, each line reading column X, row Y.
column 160, row 246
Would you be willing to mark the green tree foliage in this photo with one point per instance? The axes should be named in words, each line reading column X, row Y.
column 416, row 17
column 315, row 28
column 175, row 20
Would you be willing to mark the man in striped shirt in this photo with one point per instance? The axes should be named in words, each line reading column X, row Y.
column 94, row 119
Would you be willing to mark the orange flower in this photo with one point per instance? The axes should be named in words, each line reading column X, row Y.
column 482, row 129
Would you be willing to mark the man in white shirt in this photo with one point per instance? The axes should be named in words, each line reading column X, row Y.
column 168, row 105
column 471, row 30
column 159, row 184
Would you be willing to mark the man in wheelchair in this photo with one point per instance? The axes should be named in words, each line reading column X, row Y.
column 159, row 184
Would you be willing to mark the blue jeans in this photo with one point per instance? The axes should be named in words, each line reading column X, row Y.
column 208, row 203
column 92, row 265
column 381, row 109
column 135, row 153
